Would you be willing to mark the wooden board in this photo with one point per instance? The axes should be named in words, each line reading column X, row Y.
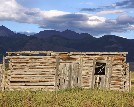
column 60, row 70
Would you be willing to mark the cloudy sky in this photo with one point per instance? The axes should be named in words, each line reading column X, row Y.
column 97, row 17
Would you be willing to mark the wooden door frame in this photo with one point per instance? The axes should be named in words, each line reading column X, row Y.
column 58, row 73
column 93, row 73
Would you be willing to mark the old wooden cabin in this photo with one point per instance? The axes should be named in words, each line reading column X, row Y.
column 49, row 70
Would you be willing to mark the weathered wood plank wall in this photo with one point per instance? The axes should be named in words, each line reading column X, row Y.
column 1, row 76
column 31, row 72
column 59, row 70
column 117, row 72
column 69, row 71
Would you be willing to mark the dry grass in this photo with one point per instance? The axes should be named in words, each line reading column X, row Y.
column 68, row 98
column 132, row 82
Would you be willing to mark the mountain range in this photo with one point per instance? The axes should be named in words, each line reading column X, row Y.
column 67, row 40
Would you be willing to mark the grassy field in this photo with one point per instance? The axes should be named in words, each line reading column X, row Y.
column 68, row 98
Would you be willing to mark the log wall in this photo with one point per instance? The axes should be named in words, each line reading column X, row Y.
column 117, row 75
column 49, row 70
column 31, row 72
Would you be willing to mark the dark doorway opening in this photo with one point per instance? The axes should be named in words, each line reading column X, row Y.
column 100, row 68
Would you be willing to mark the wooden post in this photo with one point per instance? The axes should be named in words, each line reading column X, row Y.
column 128, row 78
column 93, row 79
column 70, row 76
column 80, row 71
column 109, row 73
column 57, row 71
column 3, row 75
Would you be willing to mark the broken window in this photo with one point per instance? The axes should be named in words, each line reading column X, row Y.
column 100, row 68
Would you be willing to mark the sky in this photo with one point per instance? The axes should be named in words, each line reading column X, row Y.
column 96, row 17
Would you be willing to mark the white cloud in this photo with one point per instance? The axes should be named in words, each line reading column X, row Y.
column 53, row 13
column 125, row 20
column 95, row 20
column 11, row 10
column 60, row 20
column 7, row 8
column 131, row 27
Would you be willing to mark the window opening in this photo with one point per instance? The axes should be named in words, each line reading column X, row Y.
column 100, row 68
